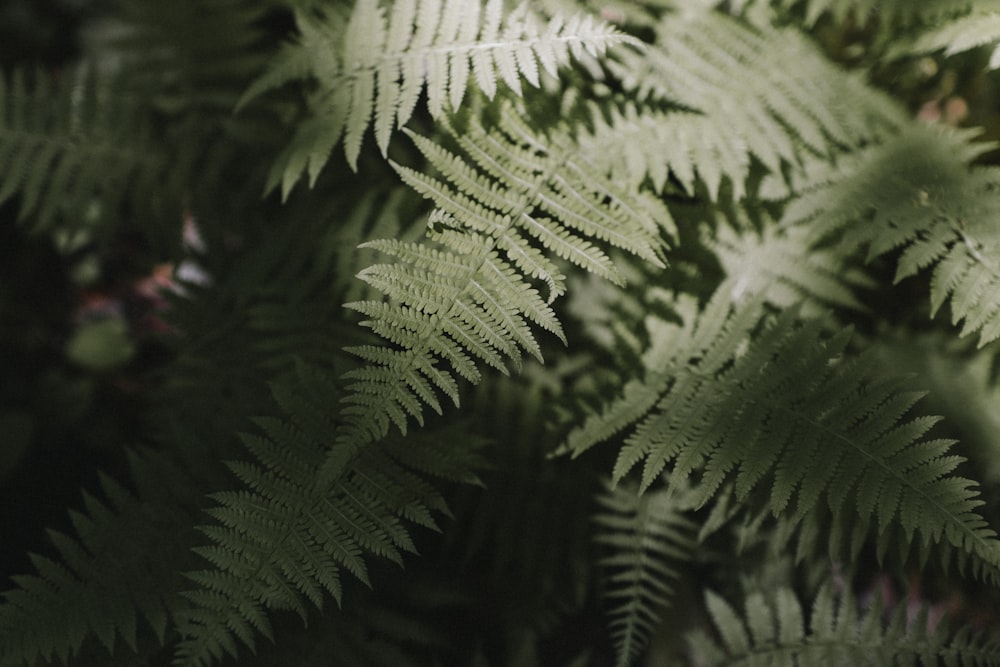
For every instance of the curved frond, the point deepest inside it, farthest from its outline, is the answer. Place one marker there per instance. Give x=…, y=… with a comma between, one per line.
x=917, y=196
x=775, y=630
x=979, y=28
x=691, y=148
x=508, y=207
x=787, y=406
x=750, y=103
x=645, y=537
x=285, y=541
x=375, y=67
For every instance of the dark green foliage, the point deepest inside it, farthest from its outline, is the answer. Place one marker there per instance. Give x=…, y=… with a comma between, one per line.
x=647, y=536
x=936, y=209
x=689, y=243
x=79, y=595
x=302, y=534
x=71, y=145
x=781, y=405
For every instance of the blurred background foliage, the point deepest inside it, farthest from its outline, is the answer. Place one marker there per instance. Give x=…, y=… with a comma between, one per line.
x=83, y=334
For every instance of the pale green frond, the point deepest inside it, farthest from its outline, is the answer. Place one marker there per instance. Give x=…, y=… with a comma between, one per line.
x=379, y=64
x=688, y=147
x=782, y=264
x=977, y=29
x=508, y=205
x=750, y=103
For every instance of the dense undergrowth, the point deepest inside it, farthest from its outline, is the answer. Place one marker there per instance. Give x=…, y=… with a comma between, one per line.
x=449, y=332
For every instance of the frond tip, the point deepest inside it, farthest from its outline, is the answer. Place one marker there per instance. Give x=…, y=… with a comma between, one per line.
x=376, y=67
x=646, y=537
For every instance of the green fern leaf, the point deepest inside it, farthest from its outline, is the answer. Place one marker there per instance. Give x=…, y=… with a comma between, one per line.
x=749, y=102
x=688, y=147
x=377, y=67
x=285, y=540
x=917, y=196
x=783, y=265
x=774, y=630
x=469, y=297
x=80, y=596
x=784, y=405
x=67, y=146
x=979, y=28
x=646, y=536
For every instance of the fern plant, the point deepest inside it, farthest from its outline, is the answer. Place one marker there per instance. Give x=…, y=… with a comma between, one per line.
x=627, y=310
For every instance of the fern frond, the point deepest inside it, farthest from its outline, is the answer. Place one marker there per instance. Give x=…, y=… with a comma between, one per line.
x=115, y=581
x=645, y=536
x=917, y=196
x=774, y=630
x=786, y=406
x=504, y=209
x=782, y=265
x=69, y=146
x=689, y=147
x=374, y=68
x=736, y=76
x=285, y=540
x=279, y=305
x=979, y=28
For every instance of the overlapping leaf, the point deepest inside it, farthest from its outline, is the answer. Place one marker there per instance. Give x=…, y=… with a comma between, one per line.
x=375, y=67
x=285, y=540
x=746, y=102
x=728, y=395
x=510, y=206
x=917, y=197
